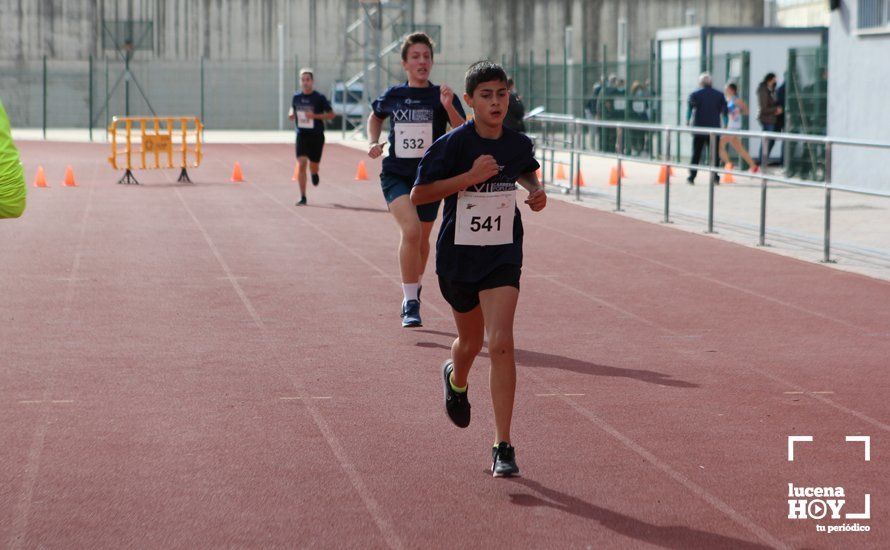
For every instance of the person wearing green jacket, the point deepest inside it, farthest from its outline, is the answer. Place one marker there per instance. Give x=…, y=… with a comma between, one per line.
x=12, y=176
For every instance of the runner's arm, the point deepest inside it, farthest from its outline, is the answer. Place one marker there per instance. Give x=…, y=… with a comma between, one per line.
x=483, y=168
x=375, y=125
x=537, y=198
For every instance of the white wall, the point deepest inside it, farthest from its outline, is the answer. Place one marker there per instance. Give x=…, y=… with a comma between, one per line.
x=769, y=54
x=859, y=71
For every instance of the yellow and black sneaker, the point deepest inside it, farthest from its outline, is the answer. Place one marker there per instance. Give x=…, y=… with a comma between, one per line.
x=456, y=403
x=503, y=460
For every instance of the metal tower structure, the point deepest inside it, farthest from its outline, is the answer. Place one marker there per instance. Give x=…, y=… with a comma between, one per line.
x=377, y=19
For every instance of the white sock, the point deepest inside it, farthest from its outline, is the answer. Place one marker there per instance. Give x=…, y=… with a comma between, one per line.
x=410, y=290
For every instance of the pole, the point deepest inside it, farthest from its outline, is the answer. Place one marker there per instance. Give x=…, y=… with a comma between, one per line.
x=618, y=191
x=106, y=100
x=826, y=258
x=712, y=157
x=282, y=114
x=762, y=238
x=547, y=80
x=90, y=120
x=44, y=97
x=203, y=117
x=667, y=180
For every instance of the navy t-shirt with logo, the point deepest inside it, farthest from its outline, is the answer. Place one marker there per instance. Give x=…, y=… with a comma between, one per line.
x=454, y=154
x=411, y=108
x=314, y=103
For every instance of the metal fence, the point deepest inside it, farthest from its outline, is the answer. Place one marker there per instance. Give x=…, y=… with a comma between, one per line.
x=550, y=130
x=87, y=94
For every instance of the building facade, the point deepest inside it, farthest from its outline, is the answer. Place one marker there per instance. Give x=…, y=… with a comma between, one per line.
x=859, y=42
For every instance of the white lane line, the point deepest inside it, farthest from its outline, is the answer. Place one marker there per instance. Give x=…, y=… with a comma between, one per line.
x=666, y=468
x=823, y=316
x=222, y=263
x=375, y=510
x=862, y=416
x=21, y=515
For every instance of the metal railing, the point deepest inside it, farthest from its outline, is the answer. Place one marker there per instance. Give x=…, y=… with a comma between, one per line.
x=572, y=127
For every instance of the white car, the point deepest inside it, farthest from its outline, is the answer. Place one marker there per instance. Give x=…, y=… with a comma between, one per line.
x=348, y=104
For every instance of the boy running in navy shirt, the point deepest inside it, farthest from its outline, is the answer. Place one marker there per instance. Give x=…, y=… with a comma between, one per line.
x=479, y=249
x=309, y=108
x=418, y=112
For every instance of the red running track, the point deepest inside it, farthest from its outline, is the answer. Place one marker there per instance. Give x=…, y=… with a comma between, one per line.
x=207, y=365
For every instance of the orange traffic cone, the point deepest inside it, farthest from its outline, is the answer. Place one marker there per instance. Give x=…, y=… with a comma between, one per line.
x=663, y=174
x=361, y=173
x=296, y=175
x=727, y=178
x=40, y=180
x=613, y=176
x=579, y=179
x=560, y=172
x=237, y=176
x=69, y=177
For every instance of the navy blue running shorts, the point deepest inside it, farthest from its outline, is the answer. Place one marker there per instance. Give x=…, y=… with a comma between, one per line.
x=395, y=186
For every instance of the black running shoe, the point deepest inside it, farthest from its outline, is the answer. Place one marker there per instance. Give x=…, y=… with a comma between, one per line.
x=411, y=314
x=456, y=404
x=314, y=179
x=503, y=460
x=301, y=202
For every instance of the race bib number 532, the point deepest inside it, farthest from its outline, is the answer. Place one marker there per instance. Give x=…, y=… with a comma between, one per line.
x=412, y=139
x=485, y=218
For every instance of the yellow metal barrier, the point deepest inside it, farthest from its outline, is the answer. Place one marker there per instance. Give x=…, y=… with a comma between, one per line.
x=176, y=138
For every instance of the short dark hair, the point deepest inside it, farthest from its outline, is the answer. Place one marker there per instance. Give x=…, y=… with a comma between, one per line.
x=483, y=71
x=416, y=38
x=510, y=82
x=307, y=70
x=733, y=87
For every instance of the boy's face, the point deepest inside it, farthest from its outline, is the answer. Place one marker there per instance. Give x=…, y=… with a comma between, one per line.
x=418, y=62
x=489, y=101
x=306, y=82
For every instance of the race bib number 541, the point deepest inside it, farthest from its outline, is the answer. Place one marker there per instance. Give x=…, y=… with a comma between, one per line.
x=485, y=219
x=412, y=139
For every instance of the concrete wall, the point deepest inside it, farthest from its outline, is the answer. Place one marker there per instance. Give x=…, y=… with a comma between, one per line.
x=858, y=75
x=246, y=29
x=239, y=41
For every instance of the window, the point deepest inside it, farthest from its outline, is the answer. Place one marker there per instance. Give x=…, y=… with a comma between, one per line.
x=690, y=17
x=873, y=15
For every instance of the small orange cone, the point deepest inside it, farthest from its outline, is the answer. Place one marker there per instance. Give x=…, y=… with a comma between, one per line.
x=40, y=180
x=296, y=175
x=237, y=176
x=613, y=176
x=727, y=178
x=361, y=173
x=69, y=177
x=560, y=172
x=663, y=174
x=579, y=179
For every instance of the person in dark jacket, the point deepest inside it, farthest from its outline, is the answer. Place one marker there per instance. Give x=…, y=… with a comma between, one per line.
x=515, y=110
x=707, y=108
x=769, y=110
